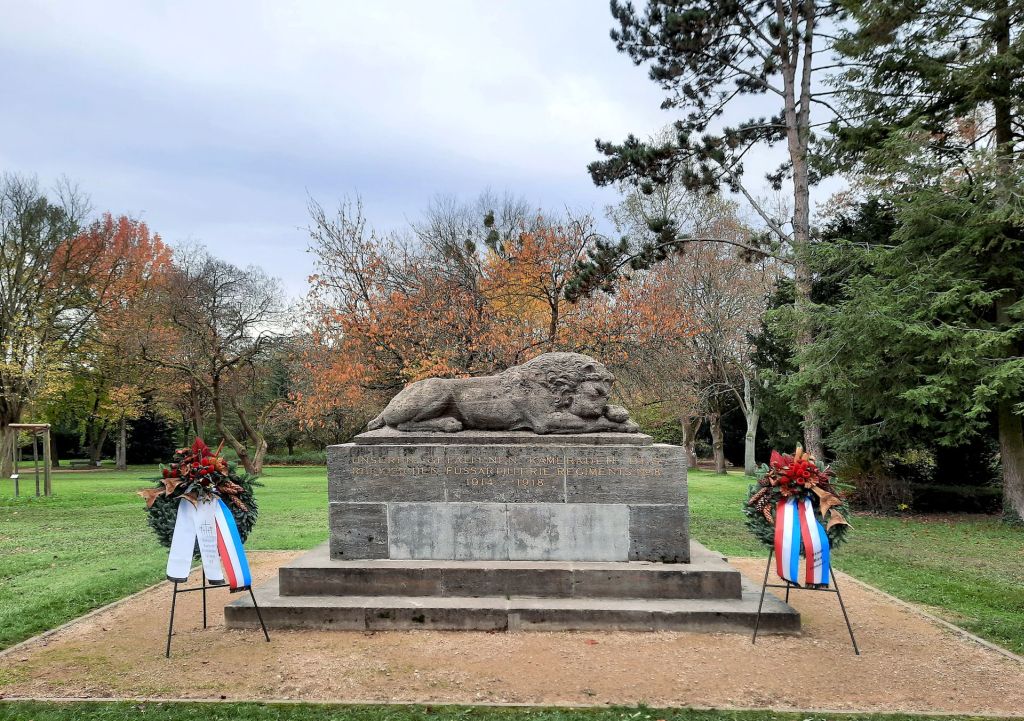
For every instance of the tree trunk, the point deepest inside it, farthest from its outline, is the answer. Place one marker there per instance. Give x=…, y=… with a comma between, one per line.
x=185, y=422
x=95, y=445
x=95, y=432
x=8, y=438
x=257, y=457
x=752, y=415
x=749, y=443
x=228, y=436
x=1011, y=432
x=121, y=454
x=255, y=436
x=1011, y=453
x=196, y=407
x=717, y=441
x=797, y=116
x=290, y=442
x=54, y=457
x=691, y=424
x=10, y=412
x=812, y=435
x=553, y=326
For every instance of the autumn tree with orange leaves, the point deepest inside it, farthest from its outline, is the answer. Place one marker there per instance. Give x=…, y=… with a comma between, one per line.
x=110, y=377
x=60, y=276
x=471, y=291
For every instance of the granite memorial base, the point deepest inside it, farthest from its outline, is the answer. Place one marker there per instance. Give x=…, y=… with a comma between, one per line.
x=506, y=531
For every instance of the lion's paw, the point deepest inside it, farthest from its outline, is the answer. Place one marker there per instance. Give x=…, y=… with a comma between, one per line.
x=616, y=414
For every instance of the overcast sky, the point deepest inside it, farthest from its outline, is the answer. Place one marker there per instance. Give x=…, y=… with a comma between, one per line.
x=212, y=121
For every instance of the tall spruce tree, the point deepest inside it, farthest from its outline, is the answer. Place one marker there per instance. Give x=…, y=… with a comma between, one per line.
x=708, y=55
x=938, y=88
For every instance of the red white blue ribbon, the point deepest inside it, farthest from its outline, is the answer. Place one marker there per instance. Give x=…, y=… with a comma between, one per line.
x=211, y=524
x=798, y=532
x=232, y=554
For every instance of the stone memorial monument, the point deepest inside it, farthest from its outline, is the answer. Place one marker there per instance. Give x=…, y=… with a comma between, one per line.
x=519, y=500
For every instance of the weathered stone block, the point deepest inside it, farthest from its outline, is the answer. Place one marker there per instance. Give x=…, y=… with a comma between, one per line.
x=501, y=501
x=359, y=530
x=385, y=473
x=652, y=474
x=504, y=474
x=566, y=532
x=460, y=531
x=659, y=533
x=502, y=581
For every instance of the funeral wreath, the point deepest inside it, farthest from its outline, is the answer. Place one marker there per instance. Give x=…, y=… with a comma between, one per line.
x=199, y=474
x=797, y=476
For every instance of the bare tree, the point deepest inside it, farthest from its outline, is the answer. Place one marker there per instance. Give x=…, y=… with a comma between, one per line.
x=726, y=296
x=216, y=324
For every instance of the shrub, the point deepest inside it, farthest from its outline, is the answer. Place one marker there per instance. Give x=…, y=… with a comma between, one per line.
x=307, y=458
x=935, y=498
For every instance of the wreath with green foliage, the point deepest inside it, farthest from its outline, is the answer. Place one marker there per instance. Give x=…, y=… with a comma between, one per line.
x=795, y=476
x=199, y=474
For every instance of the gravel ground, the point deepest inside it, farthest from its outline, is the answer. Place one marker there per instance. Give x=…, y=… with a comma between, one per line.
x=908, y=663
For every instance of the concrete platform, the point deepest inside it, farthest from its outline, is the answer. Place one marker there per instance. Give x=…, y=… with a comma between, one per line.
x=314, y=592
x=491, y=613
x=316, y=574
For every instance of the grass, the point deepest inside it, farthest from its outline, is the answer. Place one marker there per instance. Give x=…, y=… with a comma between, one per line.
x=89, y=545
x=968, y=569
x=90, y=711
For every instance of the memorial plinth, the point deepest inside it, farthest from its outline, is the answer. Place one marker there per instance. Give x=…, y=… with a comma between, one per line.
x=523, y=500
x=505, y=531
x=497, y=496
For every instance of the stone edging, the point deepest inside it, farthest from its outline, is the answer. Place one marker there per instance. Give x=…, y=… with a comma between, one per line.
x=935, y=619
x=95, y=612
x=484, y=704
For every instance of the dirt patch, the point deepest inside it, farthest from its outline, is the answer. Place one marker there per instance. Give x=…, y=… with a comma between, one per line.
x=908, y=662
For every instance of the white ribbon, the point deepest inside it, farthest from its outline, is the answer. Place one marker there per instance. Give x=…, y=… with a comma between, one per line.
x=194, y=523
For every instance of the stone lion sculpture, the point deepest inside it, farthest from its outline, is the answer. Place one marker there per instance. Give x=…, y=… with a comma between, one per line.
x=553, y=393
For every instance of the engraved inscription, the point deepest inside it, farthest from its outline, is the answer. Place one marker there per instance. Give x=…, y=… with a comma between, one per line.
x=487, y=474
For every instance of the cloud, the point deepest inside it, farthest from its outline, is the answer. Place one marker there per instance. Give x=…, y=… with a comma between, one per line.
x=214, y=120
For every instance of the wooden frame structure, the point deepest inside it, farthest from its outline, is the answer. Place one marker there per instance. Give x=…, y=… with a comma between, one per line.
x=38, y=431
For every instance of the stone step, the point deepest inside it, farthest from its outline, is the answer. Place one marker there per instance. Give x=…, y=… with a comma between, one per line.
x=315, y=574
x=515, y=613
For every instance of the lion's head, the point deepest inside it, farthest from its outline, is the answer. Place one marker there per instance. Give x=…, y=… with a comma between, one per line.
x=580, y=384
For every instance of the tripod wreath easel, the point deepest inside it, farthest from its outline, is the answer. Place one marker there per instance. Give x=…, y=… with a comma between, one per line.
x=796, y=510
x=790, y=586
x=204, y=587
x=188, y=508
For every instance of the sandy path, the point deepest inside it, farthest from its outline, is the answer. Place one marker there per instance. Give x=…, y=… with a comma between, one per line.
x=908, y=662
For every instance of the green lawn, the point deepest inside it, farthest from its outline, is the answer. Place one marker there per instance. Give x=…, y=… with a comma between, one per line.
x=322, y=712
x=89, y=545
x=967, y=569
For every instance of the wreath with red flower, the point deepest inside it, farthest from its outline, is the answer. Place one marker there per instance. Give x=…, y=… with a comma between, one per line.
x=795, y=476
x=199, y=474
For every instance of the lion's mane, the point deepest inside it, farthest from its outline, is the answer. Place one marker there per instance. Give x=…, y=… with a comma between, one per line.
x=561, y=374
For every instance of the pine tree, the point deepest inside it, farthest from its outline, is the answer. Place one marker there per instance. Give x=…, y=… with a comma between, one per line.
x=937, y=88
x=706, y=54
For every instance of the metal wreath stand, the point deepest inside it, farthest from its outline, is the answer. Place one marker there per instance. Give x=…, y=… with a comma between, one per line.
x=834, y=588
x=203, y=587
